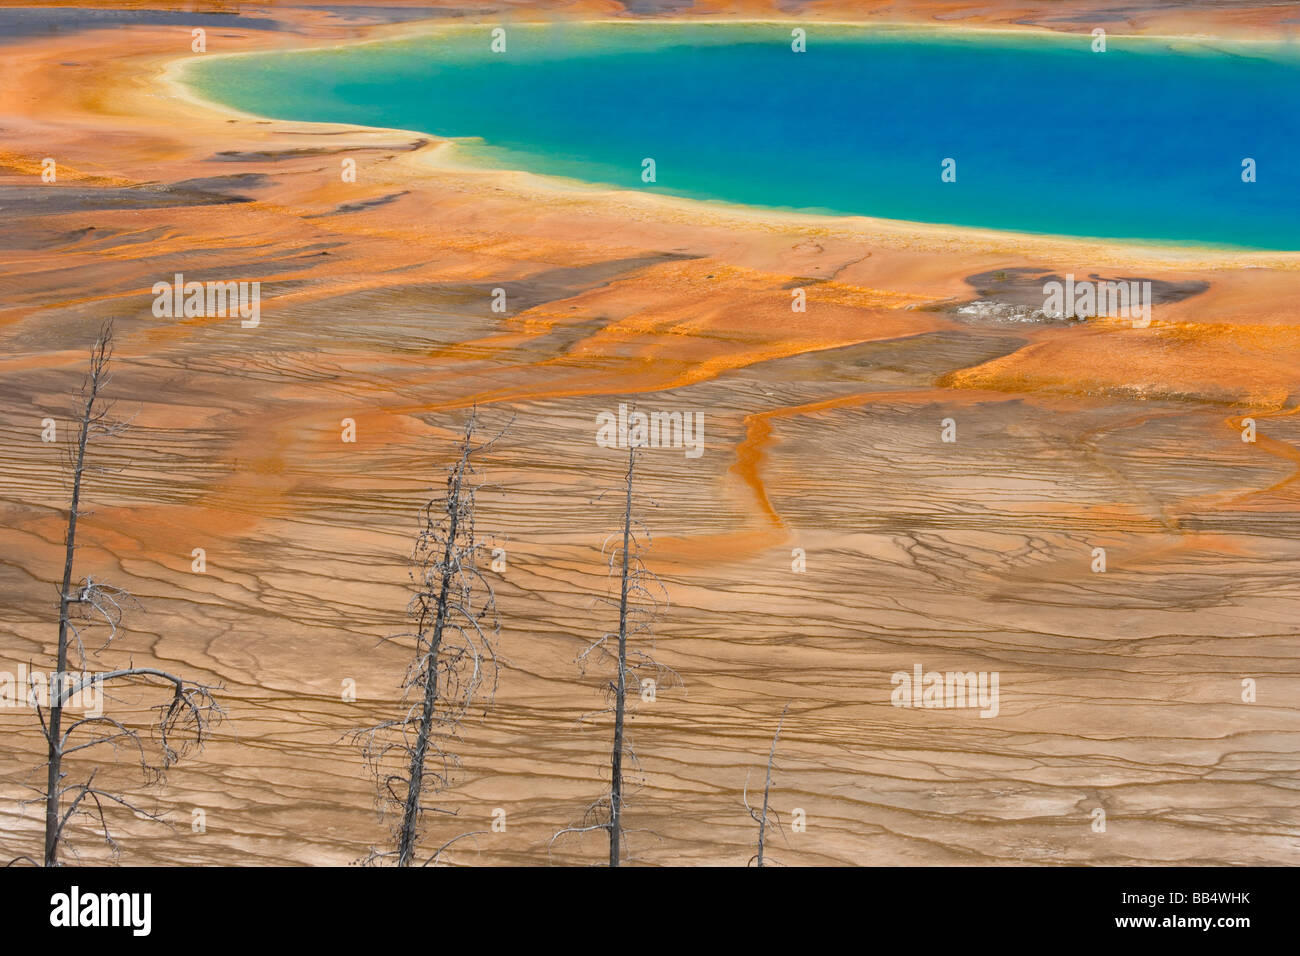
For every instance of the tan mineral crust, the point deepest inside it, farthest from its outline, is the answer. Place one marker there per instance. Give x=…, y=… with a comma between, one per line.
x=1120, y=691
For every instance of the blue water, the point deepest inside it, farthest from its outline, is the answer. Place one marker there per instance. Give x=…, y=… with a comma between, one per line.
x=1142, y=142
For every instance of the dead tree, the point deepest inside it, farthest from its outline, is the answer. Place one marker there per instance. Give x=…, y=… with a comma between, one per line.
x=454, y=667
x=640, y=597
x=761, y=818
x=183, y=720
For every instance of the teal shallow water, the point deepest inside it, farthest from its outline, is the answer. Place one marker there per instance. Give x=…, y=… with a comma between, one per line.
x=1142, y=142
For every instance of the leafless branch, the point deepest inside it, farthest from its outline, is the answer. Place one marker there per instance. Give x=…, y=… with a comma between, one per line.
x=183, y=721
x=761, y=818
x=454, y=667
x=641, y=598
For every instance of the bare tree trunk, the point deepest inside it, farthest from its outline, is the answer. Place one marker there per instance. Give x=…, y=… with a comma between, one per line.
x=767, y=786
x=453, y=669
x=99, y=356
x=620, y=700
x=641, y=596
x=411, y=812
x=192, y=707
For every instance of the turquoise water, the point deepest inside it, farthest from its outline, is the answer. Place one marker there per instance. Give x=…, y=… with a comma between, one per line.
x=1142, y=142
